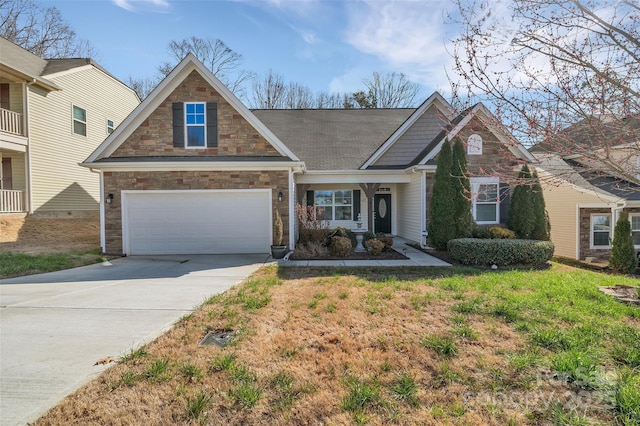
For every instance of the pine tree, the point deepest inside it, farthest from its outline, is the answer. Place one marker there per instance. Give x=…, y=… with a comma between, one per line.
x=623, y=254
x=522, y=218
x=461, y=191
x=541, y=226
x=441, y=224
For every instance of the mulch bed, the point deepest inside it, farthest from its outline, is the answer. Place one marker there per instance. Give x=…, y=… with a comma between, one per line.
x=385, y=255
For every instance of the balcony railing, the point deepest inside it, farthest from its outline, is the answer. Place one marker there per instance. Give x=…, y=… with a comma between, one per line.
x=11, y=122
x=11, y=201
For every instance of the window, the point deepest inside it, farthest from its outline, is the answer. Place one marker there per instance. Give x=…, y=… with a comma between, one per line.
x=334, y=205
x=600, y=230
x=474, y=145
x=635, y=229
x=196, y=124
x=110, y=127
x=79, y=121
x=485, y=200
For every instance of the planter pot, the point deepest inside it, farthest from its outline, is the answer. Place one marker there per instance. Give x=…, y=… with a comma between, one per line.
x=278, y=252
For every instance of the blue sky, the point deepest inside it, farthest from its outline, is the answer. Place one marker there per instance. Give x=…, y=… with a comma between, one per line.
x=325, y=45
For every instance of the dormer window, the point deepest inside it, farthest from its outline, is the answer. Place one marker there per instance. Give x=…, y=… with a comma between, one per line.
x=474, y=145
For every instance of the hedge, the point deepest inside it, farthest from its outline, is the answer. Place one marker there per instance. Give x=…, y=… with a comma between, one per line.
x=501, y=252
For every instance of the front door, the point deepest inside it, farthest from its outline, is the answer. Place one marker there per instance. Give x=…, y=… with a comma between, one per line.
x=382, y=207
x=6, y=178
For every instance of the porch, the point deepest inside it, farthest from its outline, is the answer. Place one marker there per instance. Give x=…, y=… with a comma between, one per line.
x=12, y=201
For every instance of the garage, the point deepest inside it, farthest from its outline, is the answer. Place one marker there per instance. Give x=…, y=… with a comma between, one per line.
x=196, y=221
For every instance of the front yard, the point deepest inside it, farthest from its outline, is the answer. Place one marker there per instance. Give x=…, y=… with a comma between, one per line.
x=385, y=346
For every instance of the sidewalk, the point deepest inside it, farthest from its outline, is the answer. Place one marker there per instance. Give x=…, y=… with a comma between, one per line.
x=415, y=258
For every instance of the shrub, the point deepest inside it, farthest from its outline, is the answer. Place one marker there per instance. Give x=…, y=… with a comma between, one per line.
x=311, y=226
x=472, y=251
x=387, y=241
x=481, y=232
x=310, y=250
x=541, y=228
x=340, y=246
x=461, y=191
x=344, y=232
x=443, y=209
x=501, y=233
x=623, y=255
x=374, y=247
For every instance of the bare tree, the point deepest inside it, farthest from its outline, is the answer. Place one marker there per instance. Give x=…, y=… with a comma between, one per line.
x=561, y=74
x=41, y=30
x=391, y=90
x=269, y=92
x=223, y=62
x=142, y=86
x=298, y=96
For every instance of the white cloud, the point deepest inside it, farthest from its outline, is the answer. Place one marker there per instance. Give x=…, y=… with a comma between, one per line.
x=130, y=5
x=410, y=36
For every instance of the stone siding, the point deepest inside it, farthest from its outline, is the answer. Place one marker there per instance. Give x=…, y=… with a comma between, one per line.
x=114, y=182
x=585, y=233
x=154, y=137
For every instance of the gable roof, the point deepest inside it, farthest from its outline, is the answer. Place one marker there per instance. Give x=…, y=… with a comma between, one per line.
x=23, y=64
x=333, y=139
x=159, y=94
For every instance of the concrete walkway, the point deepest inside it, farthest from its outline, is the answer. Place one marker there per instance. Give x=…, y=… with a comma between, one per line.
x=55, y=326
x=415, y=258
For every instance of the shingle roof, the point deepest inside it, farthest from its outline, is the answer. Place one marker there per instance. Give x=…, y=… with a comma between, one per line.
x=21, y=60
x=327, y=139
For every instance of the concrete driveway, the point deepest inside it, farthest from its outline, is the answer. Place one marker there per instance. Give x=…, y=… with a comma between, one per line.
x=55, y=326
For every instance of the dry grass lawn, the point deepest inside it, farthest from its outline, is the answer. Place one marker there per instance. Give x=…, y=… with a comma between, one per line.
x=385, y=346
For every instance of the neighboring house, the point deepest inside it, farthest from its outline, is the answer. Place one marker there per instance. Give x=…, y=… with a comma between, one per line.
x=192, y=170
x=586, y=189
x=53, y=114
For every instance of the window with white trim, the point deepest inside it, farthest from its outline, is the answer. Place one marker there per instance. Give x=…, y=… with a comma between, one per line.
x=110, y=127
x=334, y=205
x=485, y=200
x=79, y=121
x=474, y=145
x=600, y=230
x=195, y=122
x=635, y=229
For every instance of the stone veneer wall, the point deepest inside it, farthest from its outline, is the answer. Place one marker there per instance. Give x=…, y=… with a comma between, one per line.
x=114, y=182
x=154, y=137
x=585, y=233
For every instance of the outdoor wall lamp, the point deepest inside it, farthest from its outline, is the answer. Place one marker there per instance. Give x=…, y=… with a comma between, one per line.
x=109, y=198
x=280, y=196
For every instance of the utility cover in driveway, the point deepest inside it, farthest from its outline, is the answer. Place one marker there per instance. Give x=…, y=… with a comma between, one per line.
x=196, y=222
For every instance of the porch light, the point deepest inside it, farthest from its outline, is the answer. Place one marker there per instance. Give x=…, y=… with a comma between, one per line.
x=280, y=196
x=109, y=198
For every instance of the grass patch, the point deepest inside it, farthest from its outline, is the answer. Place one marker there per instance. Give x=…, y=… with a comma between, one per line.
x=406, y=390
x=20, y=264
x=441, y=343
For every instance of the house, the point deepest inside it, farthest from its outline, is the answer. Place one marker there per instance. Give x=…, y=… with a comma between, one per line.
x=193, y=170
x=586, y=186
x=53, y=114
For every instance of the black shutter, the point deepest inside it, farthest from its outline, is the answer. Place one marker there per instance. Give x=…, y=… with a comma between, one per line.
x=178, y=124
x=212, y=124
x=505, y=202
x=356, y=204
x=310, y=199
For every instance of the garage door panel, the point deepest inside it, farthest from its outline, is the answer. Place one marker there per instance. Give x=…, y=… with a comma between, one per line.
x=198, y=222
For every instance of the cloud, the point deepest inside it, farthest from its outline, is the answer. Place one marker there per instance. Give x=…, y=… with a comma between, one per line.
x=130, y=5
x=409, y=36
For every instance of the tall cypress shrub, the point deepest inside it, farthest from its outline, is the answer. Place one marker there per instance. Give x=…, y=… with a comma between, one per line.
x=541, y=226
x=522, y=218
x=623, y=254
x=461, y=191
x=441, y=224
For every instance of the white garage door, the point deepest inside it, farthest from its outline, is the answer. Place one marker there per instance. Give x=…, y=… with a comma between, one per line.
x=196, y=222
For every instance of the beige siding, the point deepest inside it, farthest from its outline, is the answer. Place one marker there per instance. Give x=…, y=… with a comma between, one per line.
x=561, y=202
x=409, y=208
x=15, y=98
x=58, y=182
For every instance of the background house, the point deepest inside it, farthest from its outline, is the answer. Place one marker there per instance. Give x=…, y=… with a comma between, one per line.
x=53, y=114
x=192, y=170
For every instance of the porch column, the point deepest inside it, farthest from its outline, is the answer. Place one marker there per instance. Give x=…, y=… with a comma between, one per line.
x=301, y=189
x=370, y=190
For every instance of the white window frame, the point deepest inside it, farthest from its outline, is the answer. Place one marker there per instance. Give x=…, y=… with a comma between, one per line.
x=110, y=126
x=333, y=203
x=475, y=184
x=591, y=231
x=631, y=215
x=203, y=125
x=474, y=144
x=74, y=119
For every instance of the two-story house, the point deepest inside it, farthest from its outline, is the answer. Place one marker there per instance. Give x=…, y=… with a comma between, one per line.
x=53, y=114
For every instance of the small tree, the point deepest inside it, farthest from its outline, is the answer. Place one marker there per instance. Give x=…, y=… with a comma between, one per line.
x=277, y=229
x=442, y=227
x=541, y=225
x=623, y=254
x=461, y=191
x=522, y=218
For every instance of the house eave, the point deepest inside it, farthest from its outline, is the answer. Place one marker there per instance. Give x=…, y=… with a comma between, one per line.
x=168, y=166
x=354, y=176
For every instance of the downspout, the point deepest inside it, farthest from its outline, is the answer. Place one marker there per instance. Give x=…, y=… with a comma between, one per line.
x=103, y=237
x=423, y=208
x=292, y=192
x=27, y=129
